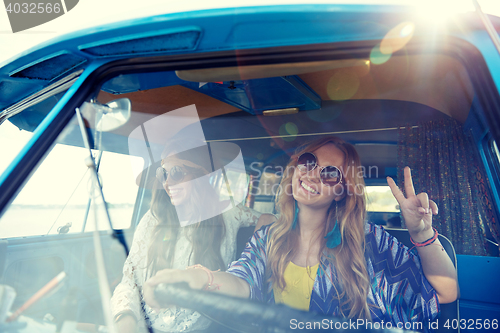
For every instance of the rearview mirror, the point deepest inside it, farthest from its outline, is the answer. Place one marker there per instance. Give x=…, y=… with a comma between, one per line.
x=114, y=114
x=110, y=116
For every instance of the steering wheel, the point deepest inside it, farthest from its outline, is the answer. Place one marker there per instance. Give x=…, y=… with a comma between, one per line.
x=245, y=315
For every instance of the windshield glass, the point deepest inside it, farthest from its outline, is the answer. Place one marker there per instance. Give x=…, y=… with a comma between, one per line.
x=170, y=169
x=16, y=131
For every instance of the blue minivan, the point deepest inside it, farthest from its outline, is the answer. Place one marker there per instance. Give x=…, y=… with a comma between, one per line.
x=84, y=120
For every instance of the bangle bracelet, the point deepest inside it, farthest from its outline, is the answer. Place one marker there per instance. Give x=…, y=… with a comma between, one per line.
x=427, y=242
x=125, y=313
x=210, y=285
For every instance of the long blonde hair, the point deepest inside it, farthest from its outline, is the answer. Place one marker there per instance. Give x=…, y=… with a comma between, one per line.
x=348, y=258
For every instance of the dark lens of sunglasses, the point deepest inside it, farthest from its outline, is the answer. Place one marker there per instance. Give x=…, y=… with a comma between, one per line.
x=161, y=175
x=176, y=173
x=330, y=175
x=306, y=162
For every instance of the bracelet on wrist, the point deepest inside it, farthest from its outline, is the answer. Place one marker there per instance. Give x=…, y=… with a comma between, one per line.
x=427, y=242
x=210, y=284
x=120, y=315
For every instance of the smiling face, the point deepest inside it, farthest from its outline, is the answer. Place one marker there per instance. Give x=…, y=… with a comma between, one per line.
x=307, y=186
x=179, y=191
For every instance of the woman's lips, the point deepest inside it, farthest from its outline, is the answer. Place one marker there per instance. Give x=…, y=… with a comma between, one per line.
x=308, y=188
x=174, y=193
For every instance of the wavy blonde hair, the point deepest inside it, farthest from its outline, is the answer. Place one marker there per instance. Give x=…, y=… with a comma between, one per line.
x=348, y=258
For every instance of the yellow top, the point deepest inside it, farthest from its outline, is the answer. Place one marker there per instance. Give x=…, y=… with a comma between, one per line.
x=299, y=284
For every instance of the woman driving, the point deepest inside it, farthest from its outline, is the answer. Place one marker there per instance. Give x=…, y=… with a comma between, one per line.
x=186, y=225
x=321, y=255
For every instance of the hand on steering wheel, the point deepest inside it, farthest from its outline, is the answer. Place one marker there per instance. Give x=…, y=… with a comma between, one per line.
x=195, y=278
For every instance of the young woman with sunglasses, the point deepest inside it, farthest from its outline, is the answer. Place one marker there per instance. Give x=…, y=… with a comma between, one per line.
x=321, y=255
x=186, y=225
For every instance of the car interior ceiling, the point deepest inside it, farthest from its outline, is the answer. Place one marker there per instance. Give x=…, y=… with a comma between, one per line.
x=400, y=92
x=403, y=91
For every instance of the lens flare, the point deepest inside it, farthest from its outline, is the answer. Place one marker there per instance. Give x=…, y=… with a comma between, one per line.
x=289, y=131
x=377, y=57
x=291, y=128
x=397, y=38
x=363, y=70
x=407, y=30
x=439, y=13
x=343, y=85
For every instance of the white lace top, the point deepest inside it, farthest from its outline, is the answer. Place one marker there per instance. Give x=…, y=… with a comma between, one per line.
x=175, y=319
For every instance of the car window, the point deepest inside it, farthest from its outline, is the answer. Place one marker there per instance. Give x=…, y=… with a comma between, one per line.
x=220, y=141
x=13, y=140
x=269, y=115
x=16, y=130
x=265, y=188
x=495, y=150
x=55, y=200
x=381, y=199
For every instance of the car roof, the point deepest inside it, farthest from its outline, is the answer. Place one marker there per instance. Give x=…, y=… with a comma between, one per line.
x=226, y=29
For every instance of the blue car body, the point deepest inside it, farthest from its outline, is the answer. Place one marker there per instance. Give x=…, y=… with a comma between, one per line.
x=86, y=61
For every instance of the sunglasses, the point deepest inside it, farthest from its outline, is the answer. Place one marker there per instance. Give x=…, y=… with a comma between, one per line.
x=329, y=175
x=176, y=174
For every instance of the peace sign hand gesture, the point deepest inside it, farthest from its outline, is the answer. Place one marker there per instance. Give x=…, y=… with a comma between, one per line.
x=417, y=210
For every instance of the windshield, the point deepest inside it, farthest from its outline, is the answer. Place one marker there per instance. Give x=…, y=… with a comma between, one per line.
x=170, y=169
x=16, y=130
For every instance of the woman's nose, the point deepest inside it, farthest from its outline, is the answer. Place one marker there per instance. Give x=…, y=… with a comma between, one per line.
x=170, y=181
x=313, y=175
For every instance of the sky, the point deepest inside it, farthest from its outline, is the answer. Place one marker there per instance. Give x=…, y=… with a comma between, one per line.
x=88, y=13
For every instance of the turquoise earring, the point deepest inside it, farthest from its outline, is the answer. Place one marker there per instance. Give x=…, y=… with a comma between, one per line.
x=334, y=238
x=296, y=216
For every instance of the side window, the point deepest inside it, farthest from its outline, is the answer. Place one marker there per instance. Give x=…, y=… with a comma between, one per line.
x=12, y=140
x=16, y=130
x=236, y=192
x=492, y=155
x=382, y=207
x=381, y=199
x=56, y=197
x=495, y=152
x=266, y=192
